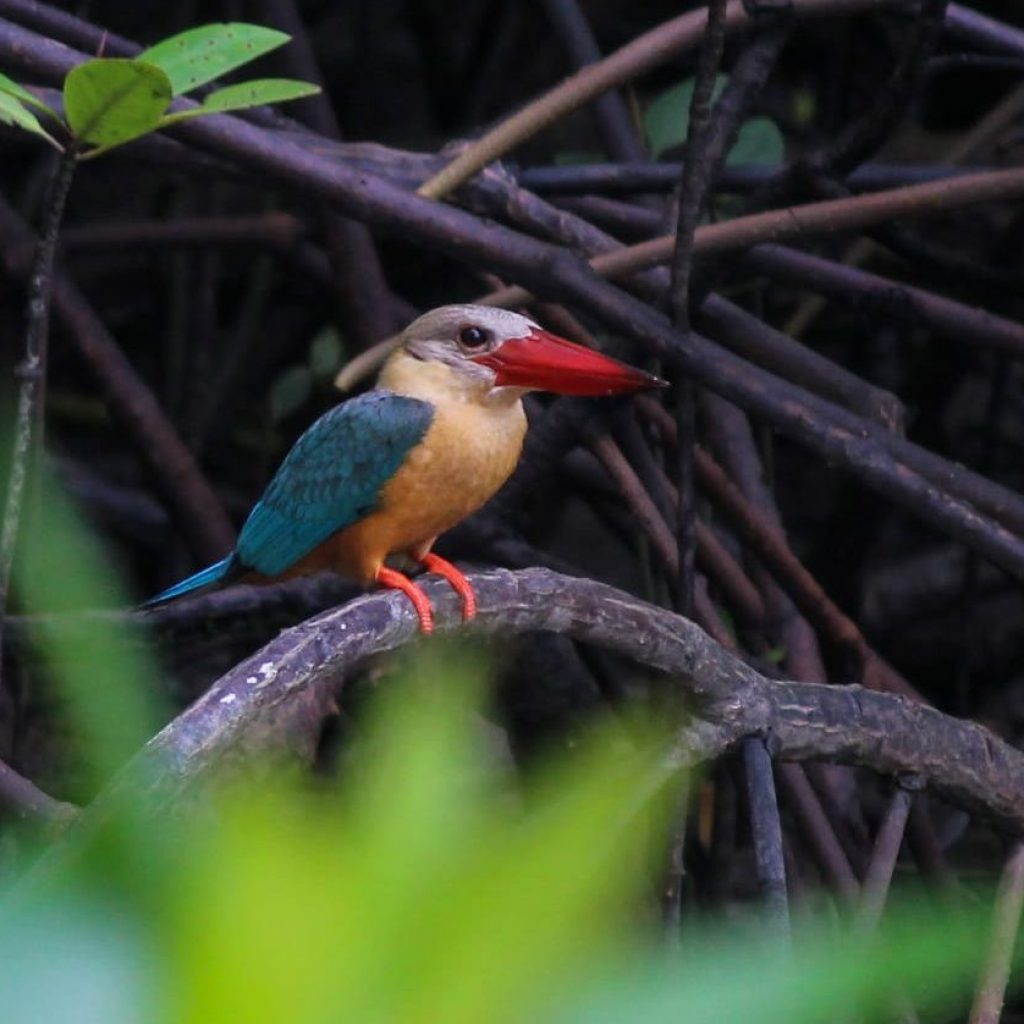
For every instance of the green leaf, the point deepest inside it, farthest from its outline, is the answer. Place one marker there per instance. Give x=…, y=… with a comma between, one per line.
x=245, y=95
x=202, y=54
x=8, y=85
x=290, y=392
x=326, y=353
x=759, y=142
x=13, y=112
x=667, y=118
x=111, y=100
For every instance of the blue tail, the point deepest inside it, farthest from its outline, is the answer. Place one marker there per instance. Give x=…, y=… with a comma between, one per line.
x=211, y=574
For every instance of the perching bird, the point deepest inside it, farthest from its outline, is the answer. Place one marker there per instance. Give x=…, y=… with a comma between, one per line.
x=389, y=471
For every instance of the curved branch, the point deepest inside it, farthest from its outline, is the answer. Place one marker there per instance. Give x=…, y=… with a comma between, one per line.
x=277, y=697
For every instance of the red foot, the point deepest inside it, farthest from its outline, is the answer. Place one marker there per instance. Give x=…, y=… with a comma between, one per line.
x=396, y=581
x=461, y=586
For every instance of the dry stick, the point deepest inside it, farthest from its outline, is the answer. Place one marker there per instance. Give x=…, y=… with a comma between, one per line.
x=771, y=547
x=360, y=277
x=743, y=597
x=883, y=858
x=28, y=423
x=195, y=507
x=715, y=559
x=983, y=31
x=828, y=216
x=610, y=110
x=641, y=54
x=988, y=1002
x=766, y=829
x=563, y=276
x=697, y=171
x=851, y=213
x=603, y=181
x=29, y=802
x=818, y=830
x=280, y=232
x=998, y=118
x=944, y=317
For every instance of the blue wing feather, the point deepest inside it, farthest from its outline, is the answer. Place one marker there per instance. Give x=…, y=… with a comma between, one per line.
x=331, y=478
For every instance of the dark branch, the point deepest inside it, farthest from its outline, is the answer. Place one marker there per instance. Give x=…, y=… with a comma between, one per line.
x=277, y=697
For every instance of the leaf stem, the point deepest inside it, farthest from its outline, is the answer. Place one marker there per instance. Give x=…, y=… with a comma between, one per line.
x=31, y=372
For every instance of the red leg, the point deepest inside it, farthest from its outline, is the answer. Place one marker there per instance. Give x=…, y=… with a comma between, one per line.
x=461, y=586
x=396, y=581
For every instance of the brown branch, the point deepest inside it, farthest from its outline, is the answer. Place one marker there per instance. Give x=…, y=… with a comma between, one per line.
x=196, y=508
x=641, y=54
x=29, y=802
x=883, y=858
x=274, y=697
x=829, y=431
x=988, y=1003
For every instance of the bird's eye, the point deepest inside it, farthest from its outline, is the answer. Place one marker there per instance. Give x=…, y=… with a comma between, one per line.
x=474, y=337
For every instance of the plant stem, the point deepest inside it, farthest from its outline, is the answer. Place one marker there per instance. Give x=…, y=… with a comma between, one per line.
x=31, y=372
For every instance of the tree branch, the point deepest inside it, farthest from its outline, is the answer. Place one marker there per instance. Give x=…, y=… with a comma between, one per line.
x=277, y=697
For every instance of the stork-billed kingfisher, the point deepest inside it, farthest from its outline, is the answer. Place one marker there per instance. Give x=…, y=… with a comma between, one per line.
x=389, y=471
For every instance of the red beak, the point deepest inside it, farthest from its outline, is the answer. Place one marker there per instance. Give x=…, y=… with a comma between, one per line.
x=545, y=362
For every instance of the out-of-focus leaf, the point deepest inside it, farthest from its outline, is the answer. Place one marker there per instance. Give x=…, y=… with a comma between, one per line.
x=12, y=88
x=667, y=121
x=75, y=962
x=245, y=95
x=326, y=353
x=928, y=959
x=759, y=142
x=667, y=118
x=290, y=392
x=199, y=55
x=12, y=111
x=430, y=892
x=109, y=101
x=103, y=674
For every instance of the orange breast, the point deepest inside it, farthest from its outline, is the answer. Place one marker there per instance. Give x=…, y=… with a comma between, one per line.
x=467, y=454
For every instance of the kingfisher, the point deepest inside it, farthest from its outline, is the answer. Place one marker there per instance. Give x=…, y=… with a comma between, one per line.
x=386, y=473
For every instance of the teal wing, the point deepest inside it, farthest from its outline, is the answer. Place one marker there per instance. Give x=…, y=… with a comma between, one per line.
x=331, y=478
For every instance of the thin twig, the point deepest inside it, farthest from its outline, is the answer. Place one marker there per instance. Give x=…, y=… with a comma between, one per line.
x=766, y=830
x=883, y=858
x=988, y=1003
x=639, y=55
x=29, y=802
x=28, y=424
x=696, y=179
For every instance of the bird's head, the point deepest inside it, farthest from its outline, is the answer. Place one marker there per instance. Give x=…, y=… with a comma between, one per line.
x=490, y=348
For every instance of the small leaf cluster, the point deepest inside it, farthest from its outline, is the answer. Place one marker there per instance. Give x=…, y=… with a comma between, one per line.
x=112, y=100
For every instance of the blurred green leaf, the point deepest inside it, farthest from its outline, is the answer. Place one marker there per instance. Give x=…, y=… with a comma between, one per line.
x=930, y=959
x=759, y=142
x=199, y=55
x=290, y=392
x=12, y=88
x=667, y=117
x=667, y=121
x=109, y=101
x=102, y=672
x=12, y=111
x=326, y=353
x=430, y=892
x=73, y=961
x=245, y=95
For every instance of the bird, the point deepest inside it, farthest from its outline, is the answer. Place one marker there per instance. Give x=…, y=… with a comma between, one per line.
x=387, y=472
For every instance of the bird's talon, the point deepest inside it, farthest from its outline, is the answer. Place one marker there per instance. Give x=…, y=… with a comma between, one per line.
x=461, y=586
x=394, y=580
